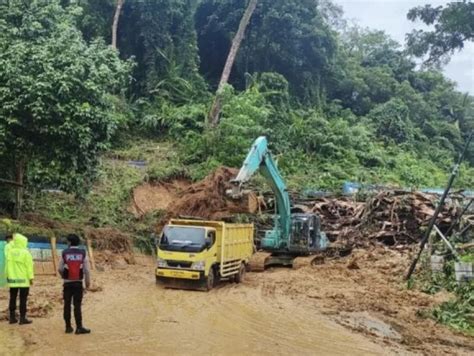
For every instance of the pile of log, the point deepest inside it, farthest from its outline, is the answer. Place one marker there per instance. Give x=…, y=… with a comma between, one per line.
x=394, y=217
x=399, y=217
x=339, y=217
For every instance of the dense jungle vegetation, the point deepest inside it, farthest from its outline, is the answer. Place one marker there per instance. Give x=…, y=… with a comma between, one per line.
x=86, y=86
x=337, y=102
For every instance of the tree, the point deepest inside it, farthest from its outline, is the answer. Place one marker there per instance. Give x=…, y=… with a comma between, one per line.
x=453, y=26
x=55, y=93
x=161, y=37
x=118, y=10
x=289, y=37
x=239, y=36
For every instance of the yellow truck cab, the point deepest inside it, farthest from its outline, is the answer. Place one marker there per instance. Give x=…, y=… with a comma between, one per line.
x=198, y=253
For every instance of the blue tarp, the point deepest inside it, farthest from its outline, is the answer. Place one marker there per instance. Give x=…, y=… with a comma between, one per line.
x=350, y=188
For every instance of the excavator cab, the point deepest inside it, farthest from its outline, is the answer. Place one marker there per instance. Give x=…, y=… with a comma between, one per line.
x=306, y=235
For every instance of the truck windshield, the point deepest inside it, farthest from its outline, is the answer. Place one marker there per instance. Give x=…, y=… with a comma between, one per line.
x=180, y=238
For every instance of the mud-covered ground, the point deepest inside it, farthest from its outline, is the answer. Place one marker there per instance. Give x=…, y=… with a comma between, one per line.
x=356, y=305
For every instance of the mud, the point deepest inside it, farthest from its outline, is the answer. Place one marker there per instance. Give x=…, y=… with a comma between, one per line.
x=141, y=318
x=326, y=309
x=155, y=197
x=372, y=299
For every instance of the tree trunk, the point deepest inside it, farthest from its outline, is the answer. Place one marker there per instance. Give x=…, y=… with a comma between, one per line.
x=19, y=174
x=118, y=10
x=213, y=118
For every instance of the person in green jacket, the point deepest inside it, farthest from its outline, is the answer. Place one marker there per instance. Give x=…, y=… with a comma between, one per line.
x=20, y=275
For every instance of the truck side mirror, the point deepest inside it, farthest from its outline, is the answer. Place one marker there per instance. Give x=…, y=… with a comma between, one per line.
x=210, y=239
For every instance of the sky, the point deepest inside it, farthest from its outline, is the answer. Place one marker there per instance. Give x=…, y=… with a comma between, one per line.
x=390, y=16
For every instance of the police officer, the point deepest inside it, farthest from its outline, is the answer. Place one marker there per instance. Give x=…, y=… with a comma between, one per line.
x=74, y=268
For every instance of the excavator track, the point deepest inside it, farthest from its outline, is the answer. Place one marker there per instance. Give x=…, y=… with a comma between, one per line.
x=257, y=261
x=300, y=262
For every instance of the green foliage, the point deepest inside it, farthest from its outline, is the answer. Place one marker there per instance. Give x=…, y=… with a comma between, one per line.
x=289, y=37
x=162, y=116
x=108, y=202
x=160, y=35
x=241, y=119
x=55, y=92
x=335, y=106
x=452, y=28
x=458, y=313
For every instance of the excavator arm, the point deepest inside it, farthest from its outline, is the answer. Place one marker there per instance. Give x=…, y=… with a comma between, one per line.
x=260, y=159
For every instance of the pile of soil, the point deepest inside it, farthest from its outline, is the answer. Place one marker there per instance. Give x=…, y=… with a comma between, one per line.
x=207, y=199
x=150, y=197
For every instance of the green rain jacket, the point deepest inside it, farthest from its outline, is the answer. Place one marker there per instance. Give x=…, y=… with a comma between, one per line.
x=19, y=263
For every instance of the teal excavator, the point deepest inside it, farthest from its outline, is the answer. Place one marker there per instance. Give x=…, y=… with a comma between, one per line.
x=295, y=237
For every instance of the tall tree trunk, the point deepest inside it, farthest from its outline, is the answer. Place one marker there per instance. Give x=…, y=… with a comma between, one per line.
x=19, y=174
x=118, y=10
x=213, y=117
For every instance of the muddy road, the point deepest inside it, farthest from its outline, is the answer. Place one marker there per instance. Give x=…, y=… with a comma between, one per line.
x=133, y=316
x=357, y=305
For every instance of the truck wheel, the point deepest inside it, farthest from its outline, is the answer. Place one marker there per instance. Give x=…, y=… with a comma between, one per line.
x=210, y=279
x=239, y=277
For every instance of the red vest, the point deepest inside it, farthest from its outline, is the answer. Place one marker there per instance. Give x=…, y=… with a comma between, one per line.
x=73, y=259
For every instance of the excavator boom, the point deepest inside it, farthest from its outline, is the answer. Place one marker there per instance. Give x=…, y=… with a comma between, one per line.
x=260, y=159
x=292, y=235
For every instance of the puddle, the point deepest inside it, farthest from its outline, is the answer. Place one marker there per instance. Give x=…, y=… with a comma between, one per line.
x=365, y=321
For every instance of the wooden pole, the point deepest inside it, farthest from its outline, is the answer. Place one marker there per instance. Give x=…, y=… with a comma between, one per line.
x=91, y=254
x=54, y=255
x=440, y=206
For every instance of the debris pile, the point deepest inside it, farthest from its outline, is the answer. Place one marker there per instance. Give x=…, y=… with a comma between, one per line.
x=397, y=217
x=339, y=217
x=110, y=239
x=207, y=199
x=391, y=217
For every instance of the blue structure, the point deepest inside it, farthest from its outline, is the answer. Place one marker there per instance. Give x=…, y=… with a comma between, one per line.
x=350, y=188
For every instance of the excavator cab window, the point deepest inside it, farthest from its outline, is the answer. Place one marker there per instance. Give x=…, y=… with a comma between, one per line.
x=300, y=231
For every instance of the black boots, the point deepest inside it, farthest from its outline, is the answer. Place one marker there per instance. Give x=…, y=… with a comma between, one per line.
x=24, y=321
x=13, y=319
x=69, y=329
x=82, y=330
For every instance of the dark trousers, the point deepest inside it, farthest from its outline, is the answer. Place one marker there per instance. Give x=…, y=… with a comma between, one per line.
x=73, y=292
x=23, y=300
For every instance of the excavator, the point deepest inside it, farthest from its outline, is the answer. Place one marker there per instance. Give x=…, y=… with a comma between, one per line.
x=294, y=238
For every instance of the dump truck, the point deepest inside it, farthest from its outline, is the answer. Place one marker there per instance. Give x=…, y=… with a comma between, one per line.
x=196, y=254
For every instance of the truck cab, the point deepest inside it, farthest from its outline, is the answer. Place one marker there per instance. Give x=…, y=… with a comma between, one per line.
x=201, y=252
